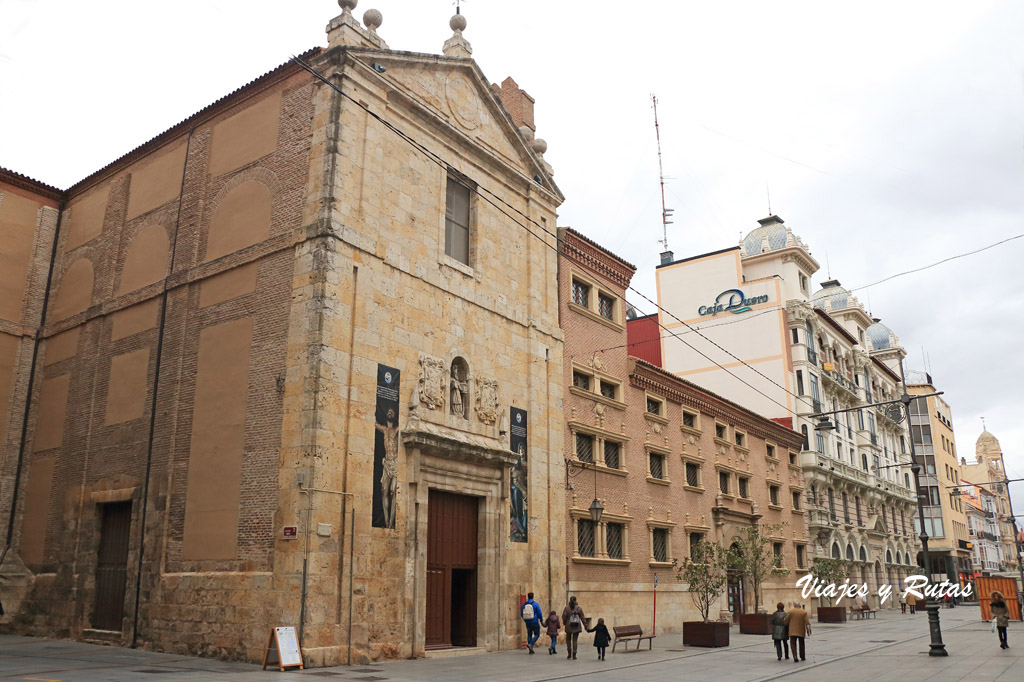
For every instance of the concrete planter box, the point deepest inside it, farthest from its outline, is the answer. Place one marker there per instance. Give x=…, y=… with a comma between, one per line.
x=831, y=614
x=713, y=634
x=755, y=624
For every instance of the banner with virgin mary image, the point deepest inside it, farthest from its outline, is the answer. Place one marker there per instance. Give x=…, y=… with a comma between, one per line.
x=519, y=524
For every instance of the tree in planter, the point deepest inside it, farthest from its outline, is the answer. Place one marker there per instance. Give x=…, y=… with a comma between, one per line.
x=754, y=556
x=830, y=571
x=705, y=574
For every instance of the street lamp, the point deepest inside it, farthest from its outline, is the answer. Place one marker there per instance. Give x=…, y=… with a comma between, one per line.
x=936, y=647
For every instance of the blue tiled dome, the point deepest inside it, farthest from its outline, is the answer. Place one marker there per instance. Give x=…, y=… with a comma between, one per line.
x=880, y=336
x=836, y=296
x=771, y=228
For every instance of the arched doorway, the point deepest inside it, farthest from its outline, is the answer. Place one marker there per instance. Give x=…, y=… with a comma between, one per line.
x=735, y=589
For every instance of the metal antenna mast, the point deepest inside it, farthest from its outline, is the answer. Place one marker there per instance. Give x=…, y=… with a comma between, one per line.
x=666, y=213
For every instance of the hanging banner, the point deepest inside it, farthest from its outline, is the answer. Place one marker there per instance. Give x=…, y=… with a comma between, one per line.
x=518, y=487
x=385, y=448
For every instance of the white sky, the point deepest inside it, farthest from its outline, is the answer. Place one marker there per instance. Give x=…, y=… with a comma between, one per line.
x=891, y=134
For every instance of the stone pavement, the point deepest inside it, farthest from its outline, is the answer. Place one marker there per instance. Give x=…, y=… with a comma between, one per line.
x=891, y=648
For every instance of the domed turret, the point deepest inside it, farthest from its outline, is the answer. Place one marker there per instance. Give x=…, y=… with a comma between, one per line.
x=771, y=236
x=831, y=296
x=881, y=337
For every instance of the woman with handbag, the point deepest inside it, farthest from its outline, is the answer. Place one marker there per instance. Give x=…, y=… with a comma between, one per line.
x=1000, y=617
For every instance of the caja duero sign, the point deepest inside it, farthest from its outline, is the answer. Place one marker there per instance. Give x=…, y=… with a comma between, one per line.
x=731, y=301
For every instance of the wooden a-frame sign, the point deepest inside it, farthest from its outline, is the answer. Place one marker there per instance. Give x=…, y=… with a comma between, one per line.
x=284, y=643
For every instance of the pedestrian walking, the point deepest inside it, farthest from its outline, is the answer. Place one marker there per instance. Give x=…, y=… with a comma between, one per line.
x=601, y=638
x=780, y=632
x=552, y=623
x=799, y=627
x=572, y=617
x=912, y=603
x=903, y=603
x=1000, y=616
x=530, y=613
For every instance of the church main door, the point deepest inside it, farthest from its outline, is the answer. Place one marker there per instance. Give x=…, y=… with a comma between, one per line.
x=451, y=570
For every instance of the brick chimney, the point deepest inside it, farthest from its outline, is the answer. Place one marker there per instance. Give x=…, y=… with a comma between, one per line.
x=517, y=102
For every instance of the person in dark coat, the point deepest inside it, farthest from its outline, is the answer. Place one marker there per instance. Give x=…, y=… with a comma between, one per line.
x=552, y=623
x=780, y=631
x=1001, y=616
x=573, y=619
x=601, y=638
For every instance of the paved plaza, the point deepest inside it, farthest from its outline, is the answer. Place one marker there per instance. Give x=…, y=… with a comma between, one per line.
x=887, y=649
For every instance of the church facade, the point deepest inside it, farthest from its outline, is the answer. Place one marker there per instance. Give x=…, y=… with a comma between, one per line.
x=292, y=368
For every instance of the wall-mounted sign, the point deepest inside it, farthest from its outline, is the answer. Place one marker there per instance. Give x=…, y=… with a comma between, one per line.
x=731, y=301
x=290, y=533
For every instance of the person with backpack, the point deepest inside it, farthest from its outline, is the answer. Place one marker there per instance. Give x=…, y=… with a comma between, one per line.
x=572, y=616
x=530, y=613
x=552, y=623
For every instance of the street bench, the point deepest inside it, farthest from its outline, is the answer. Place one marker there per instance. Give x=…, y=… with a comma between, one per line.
x=625, y=633
x=863, y=612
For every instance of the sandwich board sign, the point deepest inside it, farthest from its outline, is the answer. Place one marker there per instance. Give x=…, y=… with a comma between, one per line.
x=286, y=646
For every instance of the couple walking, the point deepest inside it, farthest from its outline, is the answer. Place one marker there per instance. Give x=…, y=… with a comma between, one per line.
x=574, y=620
x=789, y=631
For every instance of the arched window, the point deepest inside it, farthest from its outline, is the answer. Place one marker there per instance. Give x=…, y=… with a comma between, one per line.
x=836, y=553
x=888, y=556
x=459, y=388
x=849, y=552
x=863, y=555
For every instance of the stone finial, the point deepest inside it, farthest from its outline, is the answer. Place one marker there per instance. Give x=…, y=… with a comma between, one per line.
x=372, y=19
x=457, y=46
x=347, y=5
x=540, y=146
x=526, y=132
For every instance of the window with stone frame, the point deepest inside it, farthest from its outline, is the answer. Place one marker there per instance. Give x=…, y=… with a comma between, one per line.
x=796, y=500
x=695, y=539
x=581, y=380
x=457, y=220
x=659, y=543
x=606, y=306
x=739, y=438
x=656, y=462
x=777, y=554
x=799, y=556
x=690, y=419
x=846, y=508
x=769, y=450
x=693, y=474
x=720, y=431
x=609, y=390
x=580, y=293
x=612, y=450
x=614, y=534
x=773, y=495
x=857, y=507
x=744, y=487
x=585, y=537
x=723, y=482
x=655, y=406
x=585, y=447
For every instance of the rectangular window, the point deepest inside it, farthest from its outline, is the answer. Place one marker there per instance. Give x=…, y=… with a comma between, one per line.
x=660, y=537
x=773, y=494
x=611, y=454
x=456, y=221
x=832, y=504
x=860, y=519
x=744, y=488
x=723, y=482
x=796, y=500
x=740, y=438
x=654, y=406
x=692, y=475
x=580, y=294
x=769, y=450
x=585, y=537
x=799, y=382
x=846, y=508
x=799, y=556
x=581, y=380
x=720, y=431
x=689, y=420
x=792, y=458
x=819, y=441
x=614, y=533
x=606, y=306
x=584, y=447
x=796, y=336
x=657, y=465
x=777, y=554
x=608, y=390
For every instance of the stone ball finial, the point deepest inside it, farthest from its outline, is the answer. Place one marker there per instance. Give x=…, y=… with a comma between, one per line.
x=347, y=5
x=540, y=146
x=372, y=19
x=458, y=22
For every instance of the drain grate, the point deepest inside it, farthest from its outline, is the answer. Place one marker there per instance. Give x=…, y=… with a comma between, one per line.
x=881, y=641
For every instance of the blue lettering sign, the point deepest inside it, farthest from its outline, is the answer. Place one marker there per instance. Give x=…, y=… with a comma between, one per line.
x=731, y=301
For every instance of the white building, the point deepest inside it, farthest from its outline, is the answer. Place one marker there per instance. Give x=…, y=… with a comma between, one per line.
x=743, y=323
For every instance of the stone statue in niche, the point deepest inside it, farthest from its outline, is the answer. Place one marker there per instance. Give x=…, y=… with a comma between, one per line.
x=459, y=387
x=487, y=400
x=431, y=382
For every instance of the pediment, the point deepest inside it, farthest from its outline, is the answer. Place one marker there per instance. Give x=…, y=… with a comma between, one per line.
x=455, y=91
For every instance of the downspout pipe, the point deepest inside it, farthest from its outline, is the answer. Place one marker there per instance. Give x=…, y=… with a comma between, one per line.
x=31, y=382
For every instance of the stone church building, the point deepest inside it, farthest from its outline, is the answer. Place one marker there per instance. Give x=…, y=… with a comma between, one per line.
x=281, y=365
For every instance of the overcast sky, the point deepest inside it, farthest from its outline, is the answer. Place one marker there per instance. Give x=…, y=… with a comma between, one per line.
x=890, y=134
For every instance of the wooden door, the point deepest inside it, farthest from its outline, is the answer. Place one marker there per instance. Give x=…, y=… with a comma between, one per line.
x=735, y=595
x=451, y=570
x=112, y=565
